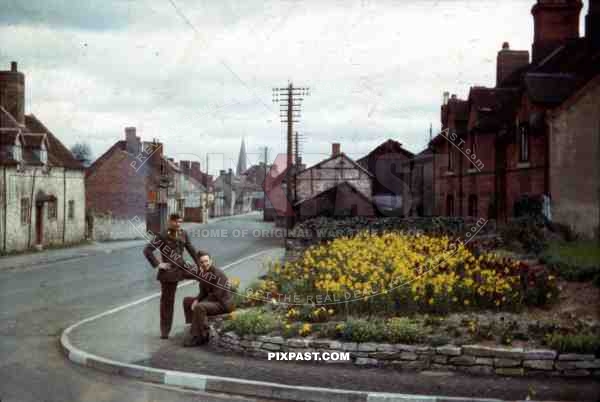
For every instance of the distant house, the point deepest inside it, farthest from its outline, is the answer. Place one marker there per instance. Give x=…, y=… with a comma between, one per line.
x=336, y=186
x=422, y=194
x=194, y=192
x=131, y=182
x=42, y=184
x=391, y=166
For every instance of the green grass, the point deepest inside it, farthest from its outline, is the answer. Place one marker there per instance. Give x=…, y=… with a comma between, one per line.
x=574, y=261
x=576, y=253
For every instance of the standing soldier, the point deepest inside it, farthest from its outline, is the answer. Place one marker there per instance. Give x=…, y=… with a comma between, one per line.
x=173, y=267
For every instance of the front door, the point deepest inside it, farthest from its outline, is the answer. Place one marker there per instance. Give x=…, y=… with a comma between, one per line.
x=39, y=223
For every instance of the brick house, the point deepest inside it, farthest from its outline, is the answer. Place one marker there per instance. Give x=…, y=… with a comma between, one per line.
x=534, y=133
x=391, y=166
x=131, y=180
x=42, y=194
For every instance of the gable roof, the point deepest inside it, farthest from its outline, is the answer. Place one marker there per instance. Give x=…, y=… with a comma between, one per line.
x=387, y=147
x=342, y=155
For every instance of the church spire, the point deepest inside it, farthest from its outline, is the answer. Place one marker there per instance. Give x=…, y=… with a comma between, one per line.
x=241, y=165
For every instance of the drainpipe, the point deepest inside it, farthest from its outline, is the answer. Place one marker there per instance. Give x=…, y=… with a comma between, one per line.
x=31, y=206
x=5, y=209
x=64, y=204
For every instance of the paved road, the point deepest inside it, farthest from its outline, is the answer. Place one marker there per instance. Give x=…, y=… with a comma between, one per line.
x=37, y=303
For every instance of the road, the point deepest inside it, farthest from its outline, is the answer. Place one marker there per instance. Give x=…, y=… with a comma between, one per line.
x=37, y=303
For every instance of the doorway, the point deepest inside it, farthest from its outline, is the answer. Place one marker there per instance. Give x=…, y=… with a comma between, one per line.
x=39, y=223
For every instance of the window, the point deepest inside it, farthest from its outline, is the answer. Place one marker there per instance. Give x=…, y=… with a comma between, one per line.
x=473, y=144
x=450, y=205
x=25, y=211
x=71, y=212
x=523, y=144
x=472, y=205
x=52, y=209
x=451, y=158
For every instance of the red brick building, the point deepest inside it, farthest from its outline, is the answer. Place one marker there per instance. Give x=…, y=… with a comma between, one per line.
x=129, y=180
x=535, y=133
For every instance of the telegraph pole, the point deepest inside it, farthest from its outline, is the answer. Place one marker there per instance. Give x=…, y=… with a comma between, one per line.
x=290, y=99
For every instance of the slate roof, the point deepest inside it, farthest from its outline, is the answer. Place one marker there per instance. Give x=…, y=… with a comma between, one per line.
x=33, y=133
x=562, y=73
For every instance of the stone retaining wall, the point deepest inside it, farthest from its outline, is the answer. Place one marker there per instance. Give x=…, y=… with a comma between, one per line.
x=473, y=359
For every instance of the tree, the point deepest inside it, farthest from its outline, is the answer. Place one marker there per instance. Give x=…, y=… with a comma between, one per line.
x=82, y=152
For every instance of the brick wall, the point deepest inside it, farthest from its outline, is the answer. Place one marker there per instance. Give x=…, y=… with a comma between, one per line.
x=117, y=188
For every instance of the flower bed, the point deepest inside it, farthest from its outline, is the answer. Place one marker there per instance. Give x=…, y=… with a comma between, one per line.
x=392, y=272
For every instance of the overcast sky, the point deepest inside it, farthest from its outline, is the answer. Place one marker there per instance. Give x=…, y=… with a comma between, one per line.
x=199, y=75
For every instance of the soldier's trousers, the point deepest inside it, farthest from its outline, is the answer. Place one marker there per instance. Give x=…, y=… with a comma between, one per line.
x=199, y=316
x=167, y=306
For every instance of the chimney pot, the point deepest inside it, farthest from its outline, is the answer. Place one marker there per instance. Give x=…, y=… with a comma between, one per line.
x=335, y=149
x=446, y=96
x=13, y=66
x=505, y=46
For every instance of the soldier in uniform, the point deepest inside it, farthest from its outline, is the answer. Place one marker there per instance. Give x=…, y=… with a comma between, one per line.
x=172, y=268
x=214, y=298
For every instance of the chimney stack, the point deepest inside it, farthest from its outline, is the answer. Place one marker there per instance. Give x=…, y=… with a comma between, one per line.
x=445, y=99
x=12, y=92
x=509, y=61
x=132, y=141
x=335, y=149
x=195, y=166
x=185, y=167
x=555, y=22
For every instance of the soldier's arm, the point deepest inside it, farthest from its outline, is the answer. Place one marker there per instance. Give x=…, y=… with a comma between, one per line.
x=190, y=247
x=149, y=254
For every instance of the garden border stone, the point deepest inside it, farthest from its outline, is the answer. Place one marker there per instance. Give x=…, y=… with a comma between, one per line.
x=473, y=359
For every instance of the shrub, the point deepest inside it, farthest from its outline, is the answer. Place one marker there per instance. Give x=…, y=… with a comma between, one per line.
x=402, y=330
x=580, y=343
x=528, y=206
x=527, y=232
x=251, y=322
x=363, y=330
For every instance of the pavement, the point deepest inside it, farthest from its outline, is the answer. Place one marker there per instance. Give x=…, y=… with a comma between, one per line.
x=125, y=341
x=40, y=299
x=39, y=259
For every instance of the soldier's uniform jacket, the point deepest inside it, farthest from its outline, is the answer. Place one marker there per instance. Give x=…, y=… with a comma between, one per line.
x=215, y=287
x=171, y=245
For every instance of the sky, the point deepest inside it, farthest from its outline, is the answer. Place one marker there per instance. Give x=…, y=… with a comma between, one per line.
x=198, y=75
